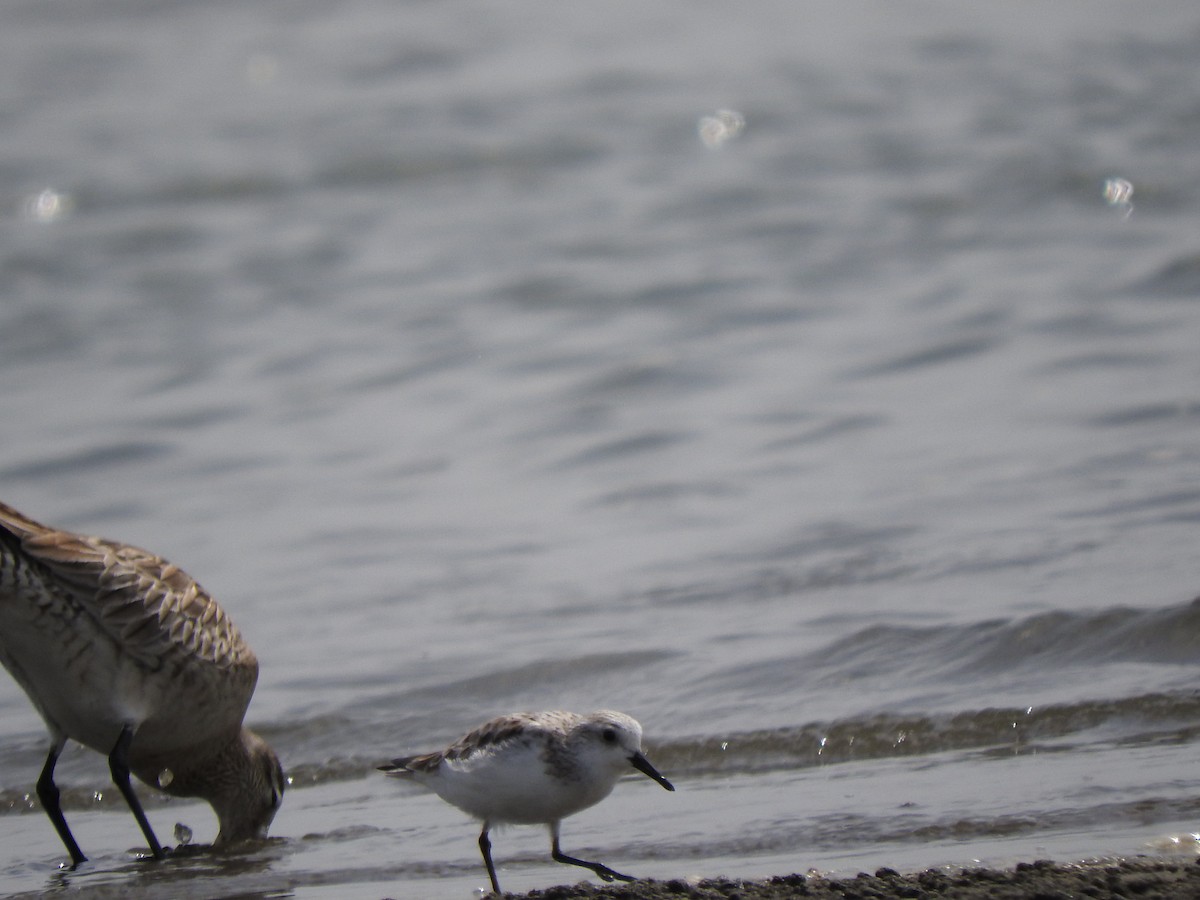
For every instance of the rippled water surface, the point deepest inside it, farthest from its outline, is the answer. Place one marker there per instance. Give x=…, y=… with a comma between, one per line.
x=857, y=456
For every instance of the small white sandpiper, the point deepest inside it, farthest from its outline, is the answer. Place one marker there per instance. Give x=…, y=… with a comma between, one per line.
x=126, y=654
x=533, y=769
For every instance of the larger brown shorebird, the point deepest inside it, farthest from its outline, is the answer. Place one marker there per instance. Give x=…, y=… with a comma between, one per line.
x=125, y=653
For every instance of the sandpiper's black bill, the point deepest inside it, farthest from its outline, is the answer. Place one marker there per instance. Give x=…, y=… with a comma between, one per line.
x=642, y=764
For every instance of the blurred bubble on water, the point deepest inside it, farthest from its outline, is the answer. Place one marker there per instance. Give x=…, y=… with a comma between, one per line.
x=722, y=126
x=47, y=205
x=1118, y=192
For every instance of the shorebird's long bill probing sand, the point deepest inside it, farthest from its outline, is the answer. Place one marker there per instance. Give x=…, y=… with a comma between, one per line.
x=534, y=768
x=124, y=653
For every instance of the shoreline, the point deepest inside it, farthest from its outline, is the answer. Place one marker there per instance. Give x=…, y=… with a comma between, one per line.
x=1145, y=877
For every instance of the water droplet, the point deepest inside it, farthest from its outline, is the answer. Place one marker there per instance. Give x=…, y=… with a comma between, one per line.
x=48, y=205
x=1119, y=193
x=723, y=125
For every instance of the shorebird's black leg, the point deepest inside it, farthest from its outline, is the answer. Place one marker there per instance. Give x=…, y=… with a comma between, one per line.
x=118, y=764
x=47, y=792
x=599, y=868
x=485, y=847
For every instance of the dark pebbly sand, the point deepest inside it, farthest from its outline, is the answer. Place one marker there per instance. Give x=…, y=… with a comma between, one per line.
x=1140, y=877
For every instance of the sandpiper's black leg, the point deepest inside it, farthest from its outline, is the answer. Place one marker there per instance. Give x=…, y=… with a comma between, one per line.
x=485, y=847
x=599, y=868
x=47, y=792
x=118, y=764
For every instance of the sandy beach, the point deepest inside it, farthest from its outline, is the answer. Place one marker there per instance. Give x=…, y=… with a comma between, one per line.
x=1143, y=877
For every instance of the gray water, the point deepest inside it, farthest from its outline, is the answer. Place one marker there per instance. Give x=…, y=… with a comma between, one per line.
x=857, y=456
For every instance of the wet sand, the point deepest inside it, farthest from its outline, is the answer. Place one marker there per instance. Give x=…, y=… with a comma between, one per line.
x=1142, y=877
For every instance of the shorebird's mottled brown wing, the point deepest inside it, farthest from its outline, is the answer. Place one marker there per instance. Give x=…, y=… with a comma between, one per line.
x=153, y=609
x=490, y=735
x=499, y=731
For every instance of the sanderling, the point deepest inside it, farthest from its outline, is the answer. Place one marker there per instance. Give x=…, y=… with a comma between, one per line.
x=123, y=652
x=533, y=769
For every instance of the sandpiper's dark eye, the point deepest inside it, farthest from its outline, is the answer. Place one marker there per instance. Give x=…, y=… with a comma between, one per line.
x=609, y=735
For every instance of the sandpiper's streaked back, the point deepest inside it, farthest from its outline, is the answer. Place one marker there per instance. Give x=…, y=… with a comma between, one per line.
x=125, y=653
x=533, y=768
